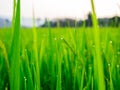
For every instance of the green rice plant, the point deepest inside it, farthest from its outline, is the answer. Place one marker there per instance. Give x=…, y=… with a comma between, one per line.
x=41, y=61
x=26, y=74
x=51, y=60
x=14, y=11
x=67, y=73
x=98, y=63
x=35, y=56
x=2, y=46
x=59, y=61
x=15, y=52
x=59, y=58
x=4, y=67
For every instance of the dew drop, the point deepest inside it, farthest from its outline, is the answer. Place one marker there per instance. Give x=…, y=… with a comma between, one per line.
x=109, y=64
x=90, y=68
x=61, y=38
x=55, y=38
x=25, y=78
x=118, y=66
x=118, y=53
x=111, y=42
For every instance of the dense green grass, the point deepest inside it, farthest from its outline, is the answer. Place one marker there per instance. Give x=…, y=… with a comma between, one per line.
x=69, y=66
x=59, y=58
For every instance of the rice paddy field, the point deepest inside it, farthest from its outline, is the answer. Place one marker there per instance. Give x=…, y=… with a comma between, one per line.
x=59, y=58
x=66, y=59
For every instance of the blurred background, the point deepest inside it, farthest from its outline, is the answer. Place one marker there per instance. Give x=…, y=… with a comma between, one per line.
x=66, y=12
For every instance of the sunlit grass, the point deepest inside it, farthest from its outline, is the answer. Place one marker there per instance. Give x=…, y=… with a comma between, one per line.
x=15, y=51
x=59, y=58
x=72, y=74
x=98, y=62
x=35, y=56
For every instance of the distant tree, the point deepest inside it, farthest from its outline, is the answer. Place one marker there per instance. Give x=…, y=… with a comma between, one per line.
x=118, y=19
x=88, y=22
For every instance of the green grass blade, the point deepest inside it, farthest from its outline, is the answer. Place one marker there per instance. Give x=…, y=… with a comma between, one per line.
x=2, y=46
x=59, y=82
x=35, y=52
x=13, y=18
x=98, y=68
x=15, y=53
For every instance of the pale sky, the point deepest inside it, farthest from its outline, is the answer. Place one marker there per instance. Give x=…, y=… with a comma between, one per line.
x=62, y=8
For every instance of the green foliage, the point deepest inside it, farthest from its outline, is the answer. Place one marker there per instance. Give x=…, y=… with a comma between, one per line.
x=72, y=57
x=15, y=52
x=59, y=58
x=98, y=63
